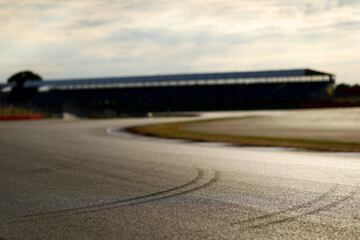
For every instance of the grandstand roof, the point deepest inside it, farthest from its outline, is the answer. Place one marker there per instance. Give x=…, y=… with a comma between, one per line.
x=185, y=79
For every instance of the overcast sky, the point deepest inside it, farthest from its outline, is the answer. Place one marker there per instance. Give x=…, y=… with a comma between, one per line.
x=70, y=39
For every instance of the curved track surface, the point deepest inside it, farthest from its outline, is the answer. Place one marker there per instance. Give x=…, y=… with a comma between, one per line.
x=89, y=180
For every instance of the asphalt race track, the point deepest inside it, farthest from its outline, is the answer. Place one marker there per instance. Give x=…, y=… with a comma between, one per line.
x=85, y=179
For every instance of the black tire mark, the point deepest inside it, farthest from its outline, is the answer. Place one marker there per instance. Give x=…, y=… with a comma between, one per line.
x=270, y=219
x=317, y=210
x=45, y=170
x=56, y=167
x=145, y=200
x=297, y=207
x=175, y=191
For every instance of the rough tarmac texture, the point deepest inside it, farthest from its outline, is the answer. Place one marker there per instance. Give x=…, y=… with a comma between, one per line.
x=83, y=180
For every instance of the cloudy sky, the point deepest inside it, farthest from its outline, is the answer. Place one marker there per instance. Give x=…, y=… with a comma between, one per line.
x=70, y=39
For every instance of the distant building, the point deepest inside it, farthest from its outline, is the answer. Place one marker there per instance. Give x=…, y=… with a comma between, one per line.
x=180, y=92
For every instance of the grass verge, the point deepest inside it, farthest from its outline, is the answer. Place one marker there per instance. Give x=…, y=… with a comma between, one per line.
x=177, y=130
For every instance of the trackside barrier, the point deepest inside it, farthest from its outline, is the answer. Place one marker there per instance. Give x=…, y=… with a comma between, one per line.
x=21, y=117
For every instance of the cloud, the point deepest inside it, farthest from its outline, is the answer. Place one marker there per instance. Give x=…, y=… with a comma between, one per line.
x=64, y=39
x=348, y=25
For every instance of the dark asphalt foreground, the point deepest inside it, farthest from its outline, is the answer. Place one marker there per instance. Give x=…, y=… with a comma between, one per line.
x=81, y=180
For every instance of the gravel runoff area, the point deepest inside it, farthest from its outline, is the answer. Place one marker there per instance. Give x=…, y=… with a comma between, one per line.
x=317, y=129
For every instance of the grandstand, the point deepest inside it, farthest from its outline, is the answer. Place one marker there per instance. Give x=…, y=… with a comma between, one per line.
x=180, y=92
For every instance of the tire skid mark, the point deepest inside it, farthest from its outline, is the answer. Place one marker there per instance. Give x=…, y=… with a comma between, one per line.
x=213, y=179
x=44, y=170
x=59, y=166
x=313, y=206
x=317, y=210
x=203, y=179
x=293, y=208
